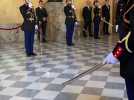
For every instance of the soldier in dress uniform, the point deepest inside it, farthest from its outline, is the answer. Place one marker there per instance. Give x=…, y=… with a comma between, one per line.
x=124, y=52
x=69, y=21
x=96, y=19
x=29, y=26
x=42, y=17
x=87, y=16
x=120, y=25
x=106, y=16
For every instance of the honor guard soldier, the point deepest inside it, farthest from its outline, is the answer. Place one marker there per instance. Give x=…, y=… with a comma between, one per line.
x=29, y=26
x=42, y=16
x=96, y=19
x=121, y=7
x=124, y=52
x=106, y=17
x=69, y=21
x=87, y=16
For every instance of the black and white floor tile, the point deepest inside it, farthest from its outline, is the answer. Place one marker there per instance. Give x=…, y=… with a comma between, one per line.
x=41, y=77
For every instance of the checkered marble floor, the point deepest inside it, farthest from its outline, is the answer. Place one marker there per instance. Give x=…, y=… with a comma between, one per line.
x=41, y=77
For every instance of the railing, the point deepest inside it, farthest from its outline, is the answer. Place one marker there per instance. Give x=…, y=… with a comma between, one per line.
x=9, y=33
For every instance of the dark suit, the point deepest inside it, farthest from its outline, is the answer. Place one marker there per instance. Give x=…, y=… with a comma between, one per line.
x=124, y=52
x=42, y=13
x=28, y=27
x=106, y=16
x=70, y=22
x=97, y=20
x=87, y=16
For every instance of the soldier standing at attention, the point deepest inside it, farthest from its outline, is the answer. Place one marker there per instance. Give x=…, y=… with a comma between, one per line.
x=69, y=21
x=29, y=26
x=106, y=17
x=96, y=19
x=42, y=17
x=87, y=16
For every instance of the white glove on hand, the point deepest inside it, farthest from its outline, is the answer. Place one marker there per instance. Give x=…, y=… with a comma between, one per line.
x=117, y=26
x=110, y=59
x=36, y=27
x=76, y=23
x=30, y=5
x=44, y=19
x=73, y=6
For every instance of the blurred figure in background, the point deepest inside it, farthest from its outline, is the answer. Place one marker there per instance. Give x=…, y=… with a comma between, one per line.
x=42, y=16
x=87, y=16
x=106, y=17
x=120, y=25
x=96, y=19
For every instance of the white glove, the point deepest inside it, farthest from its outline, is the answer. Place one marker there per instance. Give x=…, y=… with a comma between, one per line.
x=110, y=59
x=117, y=26
x=99, y=6
x=76, y=23
x=36, y=27
x=30, y=5
x=44, y=19
x=73, y=6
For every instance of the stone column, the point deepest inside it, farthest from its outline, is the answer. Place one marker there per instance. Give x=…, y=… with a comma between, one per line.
x=56, y=21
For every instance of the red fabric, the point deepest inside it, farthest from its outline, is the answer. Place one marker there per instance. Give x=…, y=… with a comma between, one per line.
x=118, y=52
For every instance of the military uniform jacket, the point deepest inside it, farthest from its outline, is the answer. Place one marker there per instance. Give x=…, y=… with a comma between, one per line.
x=87, y=14
x=70, y=14
x=106, y=12
x=124, y=50
x=41, y=13
x=29, y=18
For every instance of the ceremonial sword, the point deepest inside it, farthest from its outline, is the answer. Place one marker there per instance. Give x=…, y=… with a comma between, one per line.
x=107, y=22
x=96, y=67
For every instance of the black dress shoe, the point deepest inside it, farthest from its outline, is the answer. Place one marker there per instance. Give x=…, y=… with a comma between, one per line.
x=44, y=41
x=29, y=55
x=91, y=35
x=96, y=37
x=33, y=54
x=71, y=44
x=106, y=33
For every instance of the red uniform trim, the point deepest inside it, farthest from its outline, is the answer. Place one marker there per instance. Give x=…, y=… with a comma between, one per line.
x=118, y=52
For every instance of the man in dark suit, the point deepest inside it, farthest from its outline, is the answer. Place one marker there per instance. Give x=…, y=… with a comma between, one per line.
x=87, y=16
x=42, y=16
x=29, y=26
x=69, y=21
x=106, y=17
